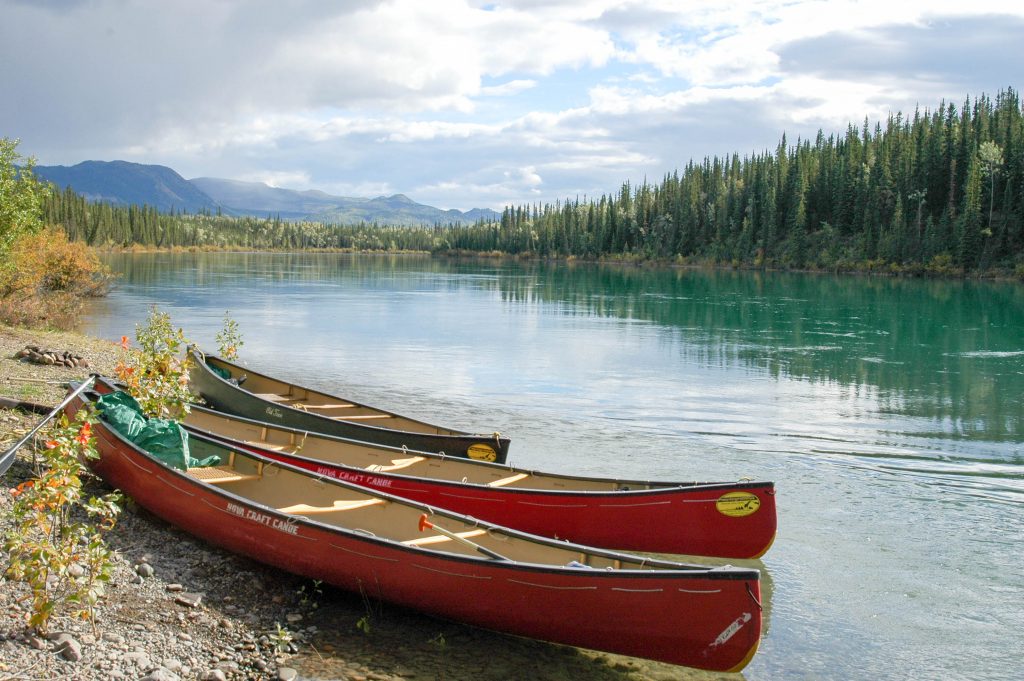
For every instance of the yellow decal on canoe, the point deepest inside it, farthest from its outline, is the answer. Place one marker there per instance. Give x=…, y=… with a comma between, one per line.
x=482, y=452
x=738, y=504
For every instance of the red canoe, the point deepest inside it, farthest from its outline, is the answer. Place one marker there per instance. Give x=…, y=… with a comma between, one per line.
x=466, y=570
x=724, y=519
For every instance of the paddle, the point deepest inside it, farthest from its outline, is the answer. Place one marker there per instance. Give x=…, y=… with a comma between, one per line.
x=7, y=458
x=426, y=524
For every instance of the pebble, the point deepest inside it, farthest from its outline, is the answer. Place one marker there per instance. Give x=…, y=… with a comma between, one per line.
x=286, y=674
x=66, y=645
x=137, y=659
x=160, y=674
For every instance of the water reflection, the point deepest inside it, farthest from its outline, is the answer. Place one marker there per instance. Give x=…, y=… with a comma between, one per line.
x=948, y=353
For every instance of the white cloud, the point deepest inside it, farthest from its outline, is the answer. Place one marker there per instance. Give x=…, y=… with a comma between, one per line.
x=501, y=101
x=512, y=87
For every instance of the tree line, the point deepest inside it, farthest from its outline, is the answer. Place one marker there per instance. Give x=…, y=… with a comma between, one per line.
x=939, y=190
x=107, y=225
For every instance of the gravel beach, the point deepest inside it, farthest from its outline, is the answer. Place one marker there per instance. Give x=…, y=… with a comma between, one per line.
x=178, y=608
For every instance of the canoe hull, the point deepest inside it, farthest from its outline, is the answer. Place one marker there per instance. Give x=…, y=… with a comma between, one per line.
x=230, y=398
x=709, y=619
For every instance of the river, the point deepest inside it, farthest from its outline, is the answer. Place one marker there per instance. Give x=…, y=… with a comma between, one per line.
x=889, y=413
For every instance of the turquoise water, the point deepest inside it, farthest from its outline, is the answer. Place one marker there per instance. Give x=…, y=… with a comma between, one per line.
x=890, y=413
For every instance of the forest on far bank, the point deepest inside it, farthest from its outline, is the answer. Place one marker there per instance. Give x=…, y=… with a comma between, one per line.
x=936, y=191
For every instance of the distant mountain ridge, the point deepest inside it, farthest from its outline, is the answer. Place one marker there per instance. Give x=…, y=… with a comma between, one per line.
x=124, y=183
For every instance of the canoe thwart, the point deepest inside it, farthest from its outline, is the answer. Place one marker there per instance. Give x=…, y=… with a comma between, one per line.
x=509, y=480
x=333, y=405
x=396, y=464
x=287, y=449
x=219, y=474
x=438, y=538
x=339, y=505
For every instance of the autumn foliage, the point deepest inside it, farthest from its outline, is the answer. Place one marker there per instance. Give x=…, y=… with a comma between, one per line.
x=46, y=279
x=43, y=276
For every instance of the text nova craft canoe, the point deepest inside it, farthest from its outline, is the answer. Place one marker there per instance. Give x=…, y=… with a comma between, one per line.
x=723, y=519
x=238, y=390
x=462, y=569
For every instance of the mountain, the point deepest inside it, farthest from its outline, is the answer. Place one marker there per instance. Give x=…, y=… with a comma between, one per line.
x=256, y=198
x=124, y=183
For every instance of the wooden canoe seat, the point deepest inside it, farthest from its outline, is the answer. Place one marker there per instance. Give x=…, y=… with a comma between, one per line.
x=272, y=397
x=396, y=464
x=288, y=449
x=438, y=538
x=363, y=417
x=509, y=480
x=219, y=474
x=339, y=505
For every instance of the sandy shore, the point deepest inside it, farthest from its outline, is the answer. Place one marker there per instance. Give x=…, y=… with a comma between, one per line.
x=181, y=609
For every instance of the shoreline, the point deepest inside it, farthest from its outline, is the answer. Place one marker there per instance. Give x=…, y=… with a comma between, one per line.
x=178, y=608
x=941, y=272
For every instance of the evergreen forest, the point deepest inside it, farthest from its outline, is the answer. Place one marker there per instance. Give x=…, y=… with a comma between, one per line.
x=935, y=191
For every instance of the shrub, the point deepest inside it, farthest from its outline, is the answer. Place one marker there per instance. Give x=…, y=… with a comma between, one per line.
x=64, y=561
x=45, y=279
x=157, y=375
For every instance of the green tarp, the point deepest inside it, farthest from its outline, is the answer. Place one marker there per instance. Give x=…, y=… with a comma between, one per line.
x=220, y=371
x=162, y=438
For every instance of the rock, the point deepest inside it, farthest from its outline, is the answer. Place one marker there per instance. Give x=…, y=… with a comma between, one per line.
x=189, y=600
x=174, y=588
x=144, y=570
x=140, y=660
x=293, y=617
x=66, y=645
x=173, y=665
x=286, y=674
x=160, y=674
x=213, y=675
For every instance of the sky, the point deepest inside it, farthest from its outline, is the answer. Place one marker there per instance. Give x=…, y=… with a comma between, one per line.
x=464, y=104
